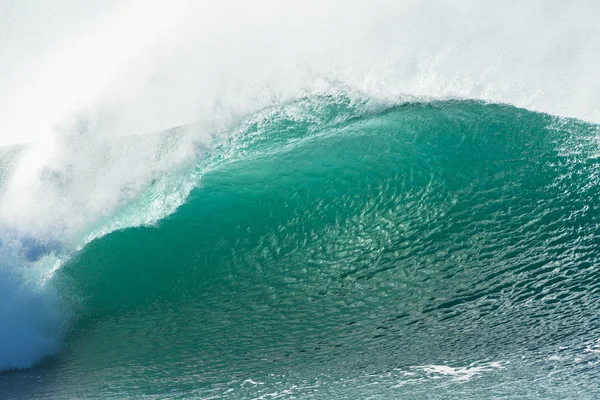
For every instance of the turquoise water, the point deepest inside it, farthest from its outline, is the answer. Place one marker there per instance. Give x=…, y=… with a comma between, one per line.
x=338, y=249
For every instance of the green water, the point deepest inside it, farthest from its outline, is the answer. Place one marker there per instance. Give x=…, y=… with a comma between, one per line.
x=335, y=250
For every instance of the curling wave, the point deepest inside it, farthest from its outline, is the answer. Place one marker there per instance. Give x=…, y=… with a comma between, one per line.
x=334, y=247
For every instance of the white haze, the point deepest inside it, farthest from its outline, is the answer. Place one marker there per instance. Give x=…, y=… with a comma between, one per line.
x=154, y=64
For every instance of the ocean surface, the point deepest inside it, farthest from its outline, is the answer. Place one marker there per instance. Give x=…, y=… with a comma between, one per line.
x=329, y=247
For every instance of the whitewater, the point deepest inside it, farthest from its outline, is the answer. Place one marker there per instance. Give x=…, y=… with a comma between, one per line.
x=388, y=199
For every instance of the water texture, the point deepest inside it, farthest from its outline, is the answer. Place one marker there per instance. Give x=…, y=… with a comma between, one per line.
x=328, y=247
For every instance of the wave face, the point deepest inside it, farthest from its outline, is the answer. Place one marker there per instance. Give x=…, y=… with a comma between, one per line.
x=337, y=248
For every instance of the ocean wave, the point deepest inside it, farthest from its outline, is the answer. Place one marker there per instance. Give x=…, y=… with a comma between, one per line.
x=336, y=233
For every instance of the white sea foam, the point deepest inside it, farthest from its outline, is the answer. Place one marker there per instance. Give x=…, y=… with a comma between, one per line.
x=458, y=373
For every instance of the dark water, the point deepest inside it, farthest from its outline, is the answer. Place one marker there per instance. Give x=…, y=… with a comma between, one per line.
x=444, y=250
